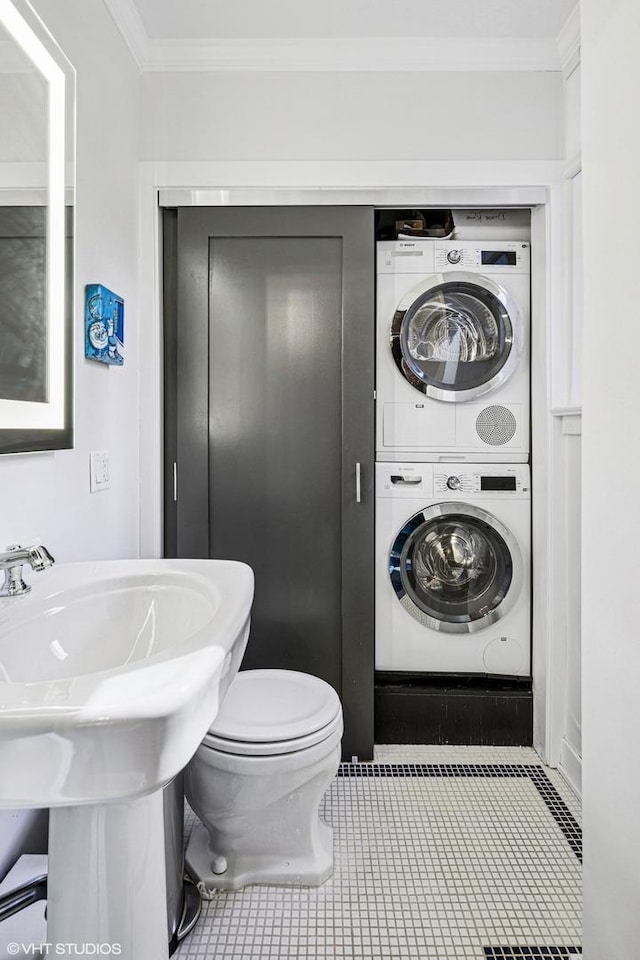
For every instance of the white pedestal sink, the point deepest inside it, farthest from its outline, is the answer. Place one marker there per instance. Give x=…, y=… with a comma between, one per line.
x=110, y=675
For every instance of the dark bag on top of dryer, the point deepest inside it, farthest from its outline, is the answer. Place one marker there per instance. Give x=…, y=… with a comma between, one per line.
x=436, y=224
x=398, y=224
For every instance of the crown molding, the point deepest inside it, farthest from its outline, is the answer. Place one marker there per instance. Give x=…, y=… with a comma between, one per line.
x=124, y=14
x=353, y=54
x=569, y=43
x=364, y=54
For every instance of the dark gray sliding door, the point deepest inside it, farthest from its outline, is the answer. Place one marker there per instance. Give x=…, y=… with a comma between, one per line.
x=269, y=366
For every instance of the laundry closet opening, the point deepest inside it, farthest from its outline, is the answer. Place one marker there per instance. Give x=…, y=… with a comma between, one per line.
x=298, y=384
x=453, y=481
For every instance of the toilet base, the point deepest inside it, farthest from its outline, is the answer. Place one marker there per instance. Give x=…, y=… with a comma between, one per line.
x=295, y=871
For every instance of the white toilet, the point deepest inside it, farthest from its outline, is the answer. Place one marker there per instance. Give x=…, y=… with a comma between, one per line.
x=257, y=780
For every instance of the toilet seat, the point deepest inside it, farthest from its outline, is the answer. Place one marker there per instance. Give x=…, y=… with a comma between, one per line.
x=274, y=712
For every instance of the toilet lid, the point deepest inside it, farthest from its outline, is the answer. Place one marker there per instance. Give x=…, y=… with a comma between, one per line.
x=277, y=748
x=272, y=706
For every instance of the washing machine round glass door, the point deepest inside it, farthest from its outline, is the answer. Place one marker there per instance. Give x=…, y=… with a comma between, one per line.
x=455, y=567
x=457, y=336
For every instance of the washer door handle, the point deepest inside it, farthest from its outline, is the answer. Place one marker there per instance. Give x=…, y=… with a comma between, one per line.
x=398, y=479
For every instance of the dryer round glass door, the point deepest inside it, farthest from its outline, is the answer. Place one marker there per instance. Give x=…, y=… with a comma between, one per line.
x=455, y=567
x=456, y=336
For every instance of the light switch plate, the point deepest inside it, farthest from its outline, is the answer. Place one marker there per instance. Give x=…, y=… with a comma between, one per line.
x=99, y=471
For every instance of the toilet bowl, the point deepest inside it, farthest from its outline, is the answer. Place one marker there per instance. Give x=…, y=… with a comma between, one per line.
x=257, y=780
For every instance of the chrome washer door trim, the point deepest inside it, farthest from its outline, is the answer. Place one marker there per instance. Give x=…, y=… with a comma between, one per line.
x=514, y=340
x=397, y=557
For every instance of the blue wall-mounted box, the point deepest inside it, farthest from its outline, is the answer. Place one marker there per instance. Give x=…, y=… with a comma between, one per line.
x=104, y=325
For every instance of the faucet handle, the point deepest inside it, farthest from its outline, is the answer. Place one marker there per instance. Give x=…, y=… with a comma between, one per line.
x=40, y=558
x=14, y=585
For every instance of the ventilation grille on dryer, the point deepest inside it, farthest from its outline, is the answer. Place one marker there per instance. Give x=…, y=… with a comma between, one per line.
x=496, y=425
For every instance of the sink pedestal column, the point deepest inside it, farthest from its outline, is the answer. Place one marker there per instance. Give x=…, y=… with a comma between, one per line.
x=107, y=882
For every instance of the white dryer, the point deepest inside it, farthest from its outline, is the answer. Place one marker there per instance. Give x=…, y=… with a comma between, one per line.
x=452, y=368
x=453, y=549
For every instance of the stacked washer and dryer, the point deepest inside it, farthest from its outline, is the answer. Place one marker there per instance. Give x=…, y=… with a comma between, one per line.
x=453, y=507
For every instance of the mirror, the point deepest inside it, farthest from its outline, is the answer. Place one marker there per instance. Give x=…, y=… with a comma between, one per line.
x=37, y=106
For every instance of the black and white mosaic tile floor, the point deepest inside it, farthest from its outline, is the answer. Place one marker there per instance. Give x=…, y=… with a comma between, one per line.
x=440, y=852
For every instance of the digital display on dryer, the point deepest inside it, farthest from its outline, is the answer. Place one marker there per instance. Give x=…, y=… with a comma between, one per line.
x=498, y=257
x=498, y=483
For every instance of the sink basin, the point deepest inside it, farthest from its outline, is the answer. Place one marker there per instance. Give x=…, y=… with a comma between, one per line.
x=111, y=673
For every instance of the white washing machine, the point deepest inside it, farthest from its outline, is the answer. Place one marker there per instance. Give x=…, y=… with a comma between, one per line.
x=452, y=367
x=453, y=551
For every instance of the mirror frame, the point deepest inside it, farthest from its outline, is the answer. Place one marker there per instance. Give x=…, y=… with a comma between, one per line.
x=32, y=426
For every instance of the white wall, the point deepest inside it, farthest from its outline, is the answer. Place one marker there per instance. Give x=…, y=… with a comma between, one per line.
x=45, y=496
x=352, y=116
x=611, y=465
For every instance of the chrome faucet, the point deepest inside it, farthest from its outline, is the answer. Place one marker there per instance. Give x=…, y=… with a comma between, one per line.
x=12, y=562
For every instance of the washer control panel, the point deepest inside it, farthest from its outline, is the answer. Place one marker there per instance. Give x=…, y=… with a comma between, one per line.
x=508, y=256
x=427, y=482
x=491, y=483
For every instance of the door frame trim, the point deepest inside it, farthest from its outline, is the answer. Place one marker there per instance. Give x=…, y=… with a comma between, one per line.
x=520, y=183
x=283, y=196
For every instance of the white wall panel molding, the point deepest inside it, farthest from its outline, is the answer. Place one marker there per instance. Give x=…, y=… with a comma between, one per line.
x=564, y=583
x=569, y=43
x=353, y=54
x=570, y=766
x=571, y=419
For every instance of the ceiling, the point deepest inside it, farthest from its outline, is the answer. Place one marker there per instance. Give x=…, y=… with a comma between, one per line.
x=348, y=34
x=188, y=19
